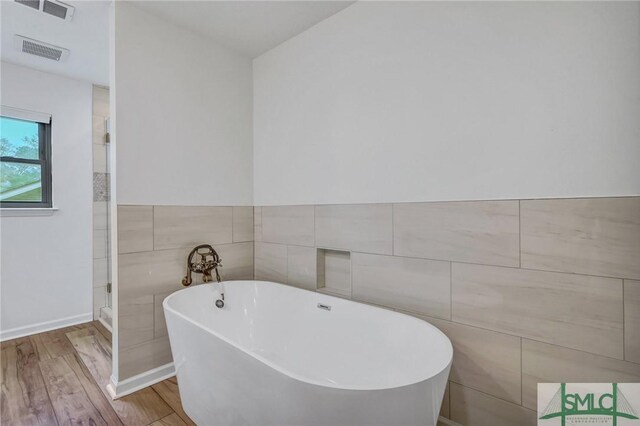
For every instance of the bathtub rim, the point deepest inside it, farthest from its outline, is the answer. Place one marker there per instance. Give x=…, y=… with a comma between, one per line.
x=282, y=370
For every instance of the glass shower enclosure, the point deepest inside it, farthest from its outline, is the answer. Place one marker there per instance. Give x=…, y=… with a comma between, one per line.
x=101, y=207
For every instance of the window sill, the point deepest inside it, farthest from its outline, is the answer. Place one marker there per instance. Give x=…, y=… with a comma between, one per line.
x=27, y=211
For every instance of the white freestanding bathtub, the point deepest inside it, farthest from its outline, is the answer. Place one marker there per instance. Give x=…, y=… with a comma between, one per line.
x=274, y=356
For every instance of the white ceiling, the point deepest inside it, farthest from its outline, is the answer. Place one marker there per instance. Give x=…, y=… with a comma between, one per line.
x=86, y=36
x=249, y=27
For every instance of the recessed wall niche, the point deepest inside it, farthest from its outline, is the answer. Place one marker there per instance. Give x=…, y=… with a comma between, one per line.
x=334, y=272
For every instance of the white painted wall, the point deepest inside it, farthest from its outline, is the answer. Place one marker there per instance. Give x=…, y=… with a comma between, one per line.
x=46, y=274
x=419, y=101
x=184, y=115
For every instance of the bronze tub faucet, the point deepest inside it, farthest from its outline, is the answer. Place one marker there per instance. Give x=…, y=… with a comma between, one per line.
x=208, y=261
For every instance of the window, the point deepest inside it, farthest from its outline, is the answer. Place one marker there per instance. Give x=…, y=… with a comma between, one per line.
x=25, y=159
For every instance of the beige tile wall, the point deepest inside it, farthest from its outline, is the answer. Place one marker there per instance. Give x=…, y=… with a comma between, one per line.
x=527, y=291
x=153, y=245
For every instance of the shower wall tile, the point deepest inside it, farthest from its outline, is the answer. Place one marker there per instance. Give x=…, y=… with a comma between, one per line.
x=546, y=306
x=414, y=285
x=302, y=267
x=98, y=129
x=101, y=187
x=270, y=262
x=135, y=229
x=100, y=272
x=101, y=198
x=632, y=320
x=472, y=408
x=596, y=236
x=257, y=224
x=135, y=320
x=100, y=243
x=188, y=226
x=358, y=227
x=101, y=101
x=242, y=224
x=99, y=300
x=484, y=360
x=288, y=225
x=101, y=215
x=99, y=158
x=542, y=362
x=485, y=232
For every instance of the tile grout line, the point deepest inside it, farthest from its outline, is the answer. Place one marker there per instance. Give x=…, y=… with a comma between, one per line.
x=393, y=230
x=451, y=291
x=488, y=395
x=519, y=234
x=428, y=317
x=521, y=375
x=624, y=354
x=153, y=227
x=452, y=261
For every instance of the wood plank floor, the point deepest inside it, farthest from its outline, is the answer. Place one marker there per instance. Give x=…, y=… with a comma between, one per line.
x=60, y=377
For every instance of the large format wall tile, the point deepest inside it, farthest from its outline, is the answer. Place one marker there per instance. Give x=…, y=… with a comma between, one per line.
x=257, y=224
x=362, y=227
x=577, y=311
x=544, y=363
x=147, y=273
x=415, y=285
x=100, y=272
x=100, y=243
x=135, y=320
x=469, y=407
x=187, y=226
x=484, y=232
x=159, y=322
x=270, y=262
x=144, y=357
x=632, y=320
x=444, y=409
x=598, y=236
x=135, y=228
x=302, y=265
x=101, y=215
x=484, y=360
x=99, y=300
x=237, y=261
x=242, y=224
x=288, y=225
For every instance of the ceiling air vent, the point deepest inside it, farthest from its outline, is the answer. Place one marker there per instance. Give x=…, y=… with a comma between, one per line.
x=57, y=8
x=34, y=4
x=40, y=48
x=51, y=7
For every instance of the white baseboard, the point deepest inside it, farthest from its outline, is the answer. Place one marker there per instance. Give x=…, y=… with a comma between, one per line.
x=125, y=387
x=28, y=330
